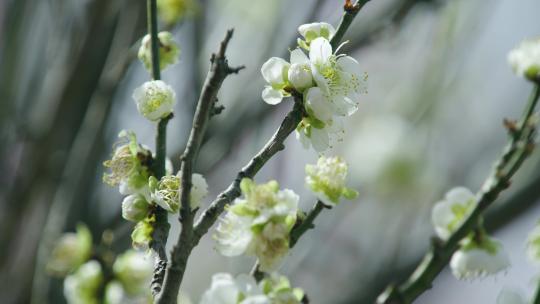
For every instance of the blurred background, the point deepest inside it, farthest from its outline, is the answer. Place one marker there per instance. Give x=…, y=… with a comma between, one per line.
x=438, y=89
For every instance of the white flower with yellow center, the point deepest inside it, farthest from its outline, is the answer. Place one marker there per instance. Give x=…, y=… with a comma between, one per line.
x=525, y=59
x=260, y=224
x=311, y=31
x=327, y=180
x=479, y=258
x=166, y=192
x=448, y=214
x=168, y=51
x=154, y=99
x=339, y=79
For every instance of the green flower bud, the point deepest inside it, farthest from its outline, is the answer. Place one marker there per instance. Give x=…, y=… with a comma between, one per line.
x=142, y=233
x=70, y=251
x=172, y=11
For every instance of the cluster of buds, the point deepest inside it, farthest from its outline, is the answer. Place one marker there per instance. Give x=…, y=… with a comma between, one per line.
x=330, y=85
x=225, y=289
x=260, y=224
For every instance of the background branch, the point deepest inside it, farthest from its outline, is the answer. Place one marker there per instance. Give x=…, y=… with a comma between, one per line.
x=519, y=147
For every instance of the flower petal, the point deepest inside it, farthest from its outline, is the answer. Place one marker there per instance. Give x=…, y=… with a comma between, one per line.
x=274, y=70
x=318, y=104
x=297, y=56
x=271, y=96
x=320, y=51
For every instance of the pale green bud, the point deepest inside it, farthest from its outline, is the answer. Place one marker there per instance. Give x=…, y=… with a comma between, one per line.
x=327, y=180
x=83, y=286
x=134, y=208
x=70, y=251
x=525, y=59
x=448, y=214
x=134, y=270
x=172, y=11
x=155, y=99
x=168, y=51
x=142, y=234
x=312, y=31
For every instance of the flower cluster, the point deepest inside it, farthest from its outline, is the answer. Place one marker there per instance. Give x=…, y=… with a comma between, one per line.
x=478, y=255
x=166, y=192
x=330, y=84
x=327, y=180
x=525, y=59
x=259, y=224
x=225, y=289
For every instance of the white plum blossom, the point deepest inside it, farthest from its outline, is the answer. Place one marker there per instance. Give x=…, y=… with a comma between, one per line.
x=154, y=99
x=82, y=286
x=449, y=213
x=311, y=31
x=168, y=51
x=225, y=289
x=327, y=180
x=134, y=207
x=533, y=244
x=509, y=296
x=133, y=270
x=525, y=59
x=275, y=71
x=337, y=76
x=70, y=251
x=312, y=132
x=475, y=259
x=166, y=192
x=260, y=224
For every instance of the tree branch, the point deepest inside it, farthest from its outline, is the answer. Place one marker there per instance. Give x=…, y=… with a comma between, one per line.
x=518, y=149
x=219, y=70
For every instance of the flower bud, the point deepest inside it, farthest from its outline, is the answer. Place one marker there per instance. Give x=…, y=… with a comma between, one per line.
x=142, y=234
x=327, y=180
x=172, y=11
x=300, y=76
x=279, y=290
x=134, y=208
x=70, y=251
x=311, y=31
x=155, y=99
x=168, y=51
x=134, y=270
x=83, y=286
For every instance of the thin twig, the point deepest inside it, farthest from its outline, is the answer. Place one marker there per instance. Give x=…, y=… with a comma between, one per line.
x=536, y=296
x=517, y=150
x=219, y=70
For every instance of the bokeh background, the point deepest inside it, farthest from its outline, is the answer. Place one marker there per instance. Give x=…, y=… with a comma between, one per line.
x=438, y=89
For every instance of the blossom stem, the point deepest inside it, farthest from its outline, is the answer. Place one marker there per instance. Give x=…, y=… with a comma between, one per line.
x=438, y=256
x=219, y=70
x=161, y=225
x=350, y=11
